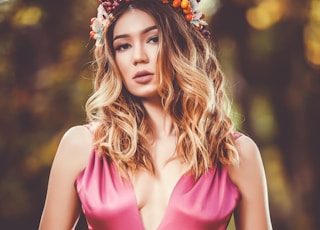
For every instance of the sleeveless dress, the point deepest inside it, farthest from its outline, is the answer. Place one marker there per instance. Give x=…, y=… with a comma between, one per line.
x=108, y=202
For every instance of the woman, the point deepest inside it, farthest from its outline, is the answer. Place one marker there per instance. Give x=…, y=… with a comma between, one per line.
x=160, y=151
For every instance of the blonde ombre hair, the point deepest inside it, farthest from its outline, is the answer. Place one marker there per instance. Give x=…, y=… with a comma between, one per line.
x=192, y=92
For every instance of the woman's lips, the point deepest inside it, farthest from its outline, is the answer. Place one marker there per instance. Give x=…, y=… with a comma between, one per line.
x=143, y=79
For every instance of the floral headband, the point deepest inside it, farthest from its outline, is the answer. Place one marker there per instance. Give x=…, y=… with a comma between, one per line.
x=190, y=9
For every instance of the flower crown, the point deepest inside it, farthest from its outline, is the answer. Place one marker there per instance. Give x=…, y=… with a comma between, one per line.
x=190, y=9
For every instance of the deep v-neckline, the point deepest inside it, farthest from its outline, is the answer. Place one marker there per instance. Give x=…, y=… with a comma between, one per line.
x=173, y=193
x=109, y=202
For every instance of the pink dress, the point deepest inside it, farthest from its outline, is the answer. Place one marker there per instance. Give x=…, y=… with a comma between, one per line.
x=108, y=203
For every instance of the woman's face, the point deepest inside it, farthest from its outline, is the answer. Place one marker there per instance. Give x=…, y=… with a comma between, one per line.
x=135, y=41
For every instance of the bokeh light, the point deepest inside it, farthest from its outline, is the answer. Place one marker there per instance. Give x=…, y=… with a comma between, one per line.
x=28, y=16
x=312, y=34
x=265, y=14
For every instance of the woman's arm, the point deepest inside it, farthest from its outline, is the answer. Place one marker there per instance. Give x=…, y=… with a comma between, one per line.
x=62, y=207
x=252, y=212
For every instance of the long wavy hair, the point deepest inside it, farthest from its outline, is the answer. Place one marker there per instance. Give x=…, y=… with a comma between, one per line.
x=191, y=88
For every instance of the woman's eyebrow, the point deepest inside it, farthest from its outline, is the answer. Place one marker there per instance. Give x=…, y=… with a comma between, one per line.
x=146, y=30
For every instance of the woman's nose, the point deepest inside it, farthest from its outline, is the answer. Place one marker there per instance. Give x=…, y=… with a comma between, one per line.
x=139, y=54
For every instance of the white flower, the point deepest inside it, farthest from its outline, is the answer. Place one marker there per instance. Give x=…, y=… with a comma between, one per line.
x=98, y=25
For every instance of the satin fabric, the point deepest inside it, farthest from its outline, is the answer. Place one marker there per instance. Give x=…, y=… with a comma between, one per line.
x=109, y=202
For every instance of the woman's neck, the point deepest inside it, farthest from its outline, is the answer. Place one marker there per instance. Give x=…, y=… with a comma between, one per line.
x=160, y=122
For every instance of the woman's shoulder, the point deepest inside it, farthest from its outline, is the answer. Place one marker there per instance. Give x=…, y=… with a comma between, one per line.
x=75, y=148
x=77, y=138
x=250, y=162
x=246, y=146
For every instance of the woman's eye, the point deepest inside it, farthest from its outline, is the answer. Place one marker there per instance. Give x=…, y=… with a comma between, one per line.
x=154, y=39
x=122, y=47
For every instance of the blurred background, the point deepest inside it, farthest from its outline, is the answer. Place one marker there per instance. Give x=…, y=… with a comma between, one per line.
x=269, y=51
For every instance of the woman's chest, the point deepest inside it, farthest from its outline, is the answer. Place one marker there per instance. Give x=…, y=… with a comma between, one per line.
x=153, y=192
